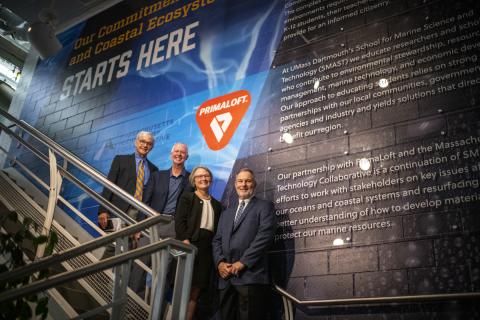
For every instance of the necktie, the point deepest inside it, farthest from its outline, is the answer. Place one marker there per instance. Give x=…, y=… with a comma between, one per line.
x=140, y=178
x=239, y=212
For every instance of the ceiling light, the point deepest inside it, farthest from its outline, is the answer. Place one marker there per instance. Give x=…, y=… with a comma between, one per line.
x=43, y=39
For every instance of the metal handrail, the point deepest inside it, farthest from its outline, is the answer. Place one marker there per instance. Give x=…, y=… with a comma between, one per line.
x=46, y=262
x=121, y=272
x=373, y=300
x=16, y=162
x=111, y=207
x=80, y=164
x=99, y=266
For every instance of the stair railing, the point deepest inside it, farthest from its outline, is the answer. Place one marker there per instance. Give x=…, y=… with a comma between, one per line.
x=58, y=172
x=55, y=149
x=121, y=264
x=290, y=301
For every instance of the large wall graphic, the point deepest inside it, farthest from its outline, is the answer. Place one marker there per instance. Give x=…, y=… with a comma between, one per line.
x=150, y=65
x=407, y=223
x=359, y=117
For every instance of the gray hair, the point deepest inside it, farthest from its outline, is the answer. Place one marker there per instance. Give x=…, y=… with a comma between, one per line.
x=181, y=144
x=251, y=172
x=191, y=178
x=146, y=133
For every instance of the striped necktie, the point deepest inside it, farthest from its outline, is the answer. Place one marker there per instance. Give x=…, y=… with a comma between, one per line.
x=239, y=212
x=140, y=178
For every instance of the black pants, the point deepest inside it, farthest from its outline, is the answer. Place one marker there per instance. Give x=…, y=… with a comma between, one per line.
x=248, y=302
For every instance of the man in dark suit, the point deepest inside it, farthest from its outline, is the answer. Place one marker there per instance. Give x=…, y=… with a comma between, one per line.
x=244, y=235
x=131, y=173
x=123, y=172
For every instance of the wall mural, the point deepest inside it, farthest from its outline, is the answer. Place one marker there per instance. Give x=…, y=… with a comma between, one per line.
x=360, y=119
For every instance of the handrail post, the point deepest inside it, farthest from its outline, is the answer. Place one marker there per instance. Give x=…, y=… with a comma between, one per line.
x=159, y=280
x=121, y=275
x=183, y=282
x=156, y=258
x=55, y=185
x=287, y=308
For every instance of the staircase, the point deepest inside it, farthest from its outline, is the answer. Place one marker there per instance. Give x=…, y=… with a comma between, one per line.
x=87, y=293
x=97, y=291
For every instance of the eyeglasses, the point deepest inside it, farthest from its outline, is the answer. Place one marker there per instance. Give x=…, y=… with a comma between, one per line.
x=147, y=143
x=204, y=176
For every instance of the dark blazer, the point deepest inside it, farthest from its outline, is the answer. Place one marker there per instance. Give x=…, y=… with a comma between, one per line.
x=123, y=172
x=248, y=242
x=189, y=215
x=156, y=190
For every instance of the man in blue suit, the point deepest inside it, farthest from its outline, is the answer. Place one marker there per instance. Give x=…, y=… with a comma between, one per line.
x=244, y=235
x=162, y=193
x=165, y=187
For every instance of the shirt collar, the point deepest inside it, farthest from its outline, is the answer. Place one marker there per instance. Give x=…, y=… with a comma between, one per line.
x=139, y=157
x=182, y=174
x=245, y=200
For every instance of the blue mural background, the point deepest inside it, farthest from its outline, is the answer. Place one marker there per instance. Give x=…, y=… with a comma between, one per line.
x=235, y=43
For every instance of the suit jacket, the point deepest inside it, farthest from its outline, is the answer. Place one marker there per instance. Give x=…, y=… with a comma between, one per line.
x=189, y=215
x=123, y=172
x=156, y=190
x=247, y=242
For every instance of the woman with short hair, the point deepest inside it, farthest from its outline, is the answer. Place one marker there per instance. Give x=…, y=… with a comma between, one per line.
x=196, y=221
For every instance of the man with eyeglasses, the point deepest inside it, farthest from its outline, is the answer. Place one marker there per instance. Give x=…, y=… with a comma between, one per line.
x=130, y=172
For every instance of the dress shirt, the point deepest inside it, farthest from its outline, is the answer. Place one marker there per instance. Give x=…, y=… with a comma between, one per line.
x=173, y=192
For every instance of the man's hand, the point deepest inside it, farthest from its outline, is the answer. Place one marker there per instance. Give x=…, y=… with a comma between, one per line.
x=186, y=241
x=103, y=220
x=224, y=269
x=236, y=268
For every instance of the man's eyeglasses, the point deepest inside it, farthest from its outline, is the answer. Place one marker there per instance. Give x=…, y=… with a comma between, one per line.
x=147, y=143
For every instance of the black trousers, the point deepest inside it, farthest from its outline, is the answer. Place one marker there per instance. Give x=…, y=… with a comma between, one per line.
x=247, y=302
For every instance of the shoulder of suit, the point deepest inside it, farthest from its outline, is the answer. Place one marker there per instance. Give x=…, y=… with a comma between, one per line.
x=125, y=156
x=152, y=166
x=124, y=159
x=262, y=202
x=189, y=195
x=216, y=201
x=162, y=173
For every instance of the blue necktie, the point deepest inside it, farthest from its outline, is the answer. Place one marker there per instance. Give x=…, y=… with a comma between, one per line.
x=239, y=212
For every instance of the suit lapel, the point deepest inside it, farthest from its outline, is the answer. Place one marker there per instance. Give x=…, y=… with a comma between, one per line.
x=150, y=167
x=228, y=215
x=132, y=168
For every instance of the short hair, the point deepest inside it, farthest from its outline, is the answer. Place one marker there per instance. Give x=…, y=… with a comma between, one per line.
x=146, y=133
x=191, y=178
x=250, y=171
x=179, y=143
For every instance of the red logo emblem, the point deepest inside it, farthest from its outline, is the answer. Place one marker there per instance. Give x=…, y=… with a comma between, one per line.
x=218, y=118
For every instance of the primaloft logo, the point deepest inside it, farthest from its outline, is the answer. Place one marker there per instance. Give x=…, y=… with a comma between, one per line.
x=218, y=118
x=220, y=124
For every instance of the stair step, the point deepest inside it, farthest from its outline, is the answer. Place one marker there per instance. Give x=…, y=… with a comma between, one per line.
x=80, y=300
